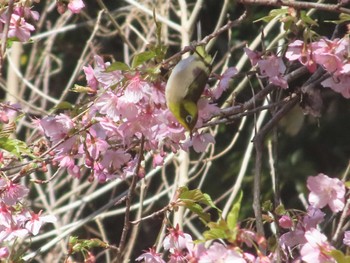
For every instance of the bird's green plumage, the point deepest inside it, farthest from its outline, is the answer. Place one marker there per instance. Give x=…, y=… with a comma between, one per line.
x=186, y=85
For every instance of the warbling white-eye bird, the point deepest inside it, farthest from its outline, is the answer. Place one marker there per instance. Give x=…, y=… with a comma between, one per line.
x=186, y=85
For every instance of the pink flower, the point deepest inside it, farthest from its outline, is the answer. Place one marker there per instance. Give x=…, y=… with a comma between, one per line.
x=224, y=82
x=5, y=215
x=136, y=90
x=26, y=12
x=75, y=6
x=177, y=240
x=326, y=191
x=4, y=252
x=346, y=239
x=219, y=253
x=57, y=127
x=37, y=220
x=114, y=159
x=151, y=257
x=12, y=193
x=296, y=236
x=253, y=56
x=273, y=67
x=339, y=84
x=298, y=50
x=13, y=231
x=285, y=222
x=18, y=27
x=90, y=77
x=317, y=249
x=8, y=112
x=201, y=141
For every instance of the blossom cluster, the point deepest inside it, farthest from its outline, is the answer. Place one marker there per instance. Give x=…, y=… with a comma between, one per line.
x=18, y=26
x=301, y=237
x=127, y=110
x=332, y=55
x=16, y=221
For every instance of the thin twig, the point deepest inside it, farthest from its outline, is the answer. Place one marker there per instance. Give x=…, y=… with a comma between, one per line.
x=206, y=39
x=4, y=33
x=337, y=8
x=259, y=143
x=83, y=54
x=129, y=200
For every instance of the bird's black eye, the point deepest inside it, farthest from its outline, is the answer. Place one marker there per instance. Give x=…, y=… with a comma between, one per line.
x=189, y=119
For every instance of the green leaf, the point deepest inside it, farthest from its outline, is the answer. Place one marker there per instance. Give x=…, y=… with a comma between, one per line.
x=273, y=14
x=197, y=209
x=16, y=147
x=339, y=256
x=142, y=57
x=307, y=19
x=220, y=230
x=192, y=199
x=280, y=210
x=347, y=184
x=342, y=18
x=232, y=217
x=118, y=65
x=267, y=206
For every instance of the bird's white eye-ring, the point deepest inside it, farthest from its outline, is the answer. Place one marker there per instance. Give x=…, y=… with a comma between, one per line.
x=189, y=119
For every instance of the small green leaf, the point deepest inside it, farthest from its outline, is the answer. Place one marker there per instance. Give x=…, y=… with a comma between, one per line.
x=267, y=206
x=342, y=18
x=232, y=217
x=347, y=184
x=339, y=256
x=307, y=19
x=216, y=230
x=16, y=147
x=142, y=58
x=192, y=199
x=275, y=13
x=118, y=65
x=280, y=210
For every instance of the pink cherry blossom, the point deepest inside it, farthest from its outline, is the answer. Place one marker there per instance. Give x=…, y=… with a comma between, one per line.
x=90, y=77
x=151, y=257
x=56, y=127
x=37, y=220
x=326, y=191
x=12, y=232
x=177, y=240
x=19, y=28
x=8, y=111
x=273, y=67
x=253, y=56
x=298, y=50
x=339, y=84
x=309, y=221
x=317, y=248
x=75, y=6
x=219, y=253
x=346, y=239
x=201, y=141
x=5, y=214
x=224, y=82
x=12, y=193
x=26, y=12
x=4, y=252
x=285, y=222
